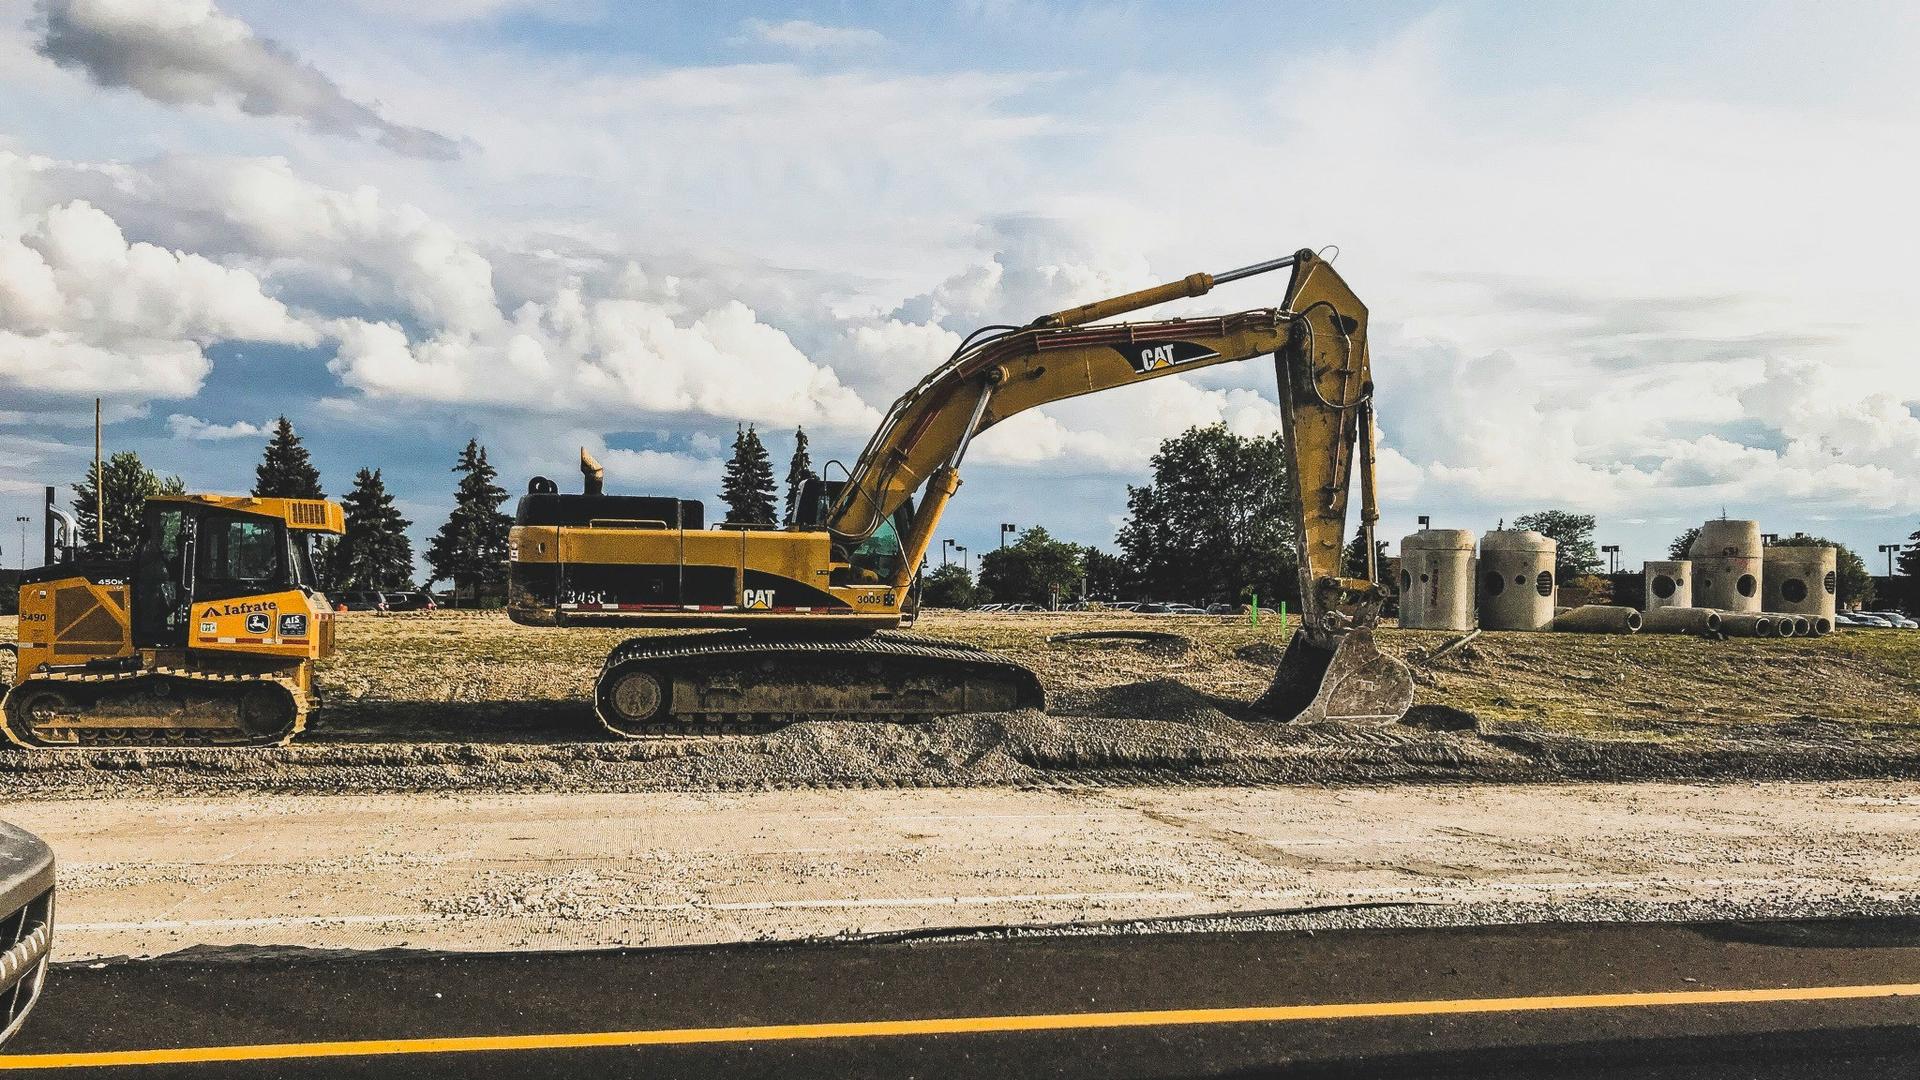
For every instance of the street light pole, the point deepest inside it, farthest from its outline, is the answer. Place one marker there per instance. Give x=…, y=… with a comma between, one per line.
x=944, y=545
x=1005, y=528
x=1890, y=549
x=963, y=559
x=1613, y=557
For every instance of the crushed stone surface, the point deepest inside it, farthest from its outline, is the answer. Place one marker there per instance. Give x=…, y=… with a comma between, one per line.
x=465, y=702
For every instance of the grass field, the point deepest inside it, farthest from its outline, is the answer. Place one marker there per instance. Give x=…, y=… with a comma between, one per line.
x=1642, y=686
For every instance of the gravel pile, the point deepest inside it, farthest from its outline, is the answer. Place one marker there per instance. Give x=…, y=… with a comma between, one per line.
x=1155, y=731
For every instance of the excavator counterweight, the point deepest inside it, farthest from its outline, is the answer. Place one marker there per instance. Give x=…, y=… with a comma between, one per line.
x=807, y=609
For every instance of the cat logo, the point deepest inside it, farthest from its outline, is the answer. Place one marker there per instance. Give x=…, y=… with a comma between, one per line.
x=1155, y=356
x=759, y=599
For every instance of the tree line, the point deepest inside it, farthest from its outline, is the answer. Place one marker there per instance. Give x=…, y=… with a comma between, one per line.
x=1214, y=524
x=469, y=551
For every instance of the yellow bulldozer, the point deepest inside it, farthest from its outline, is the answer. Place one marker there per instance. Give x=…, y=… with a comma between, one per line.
x=207, y=637
x=805, y=619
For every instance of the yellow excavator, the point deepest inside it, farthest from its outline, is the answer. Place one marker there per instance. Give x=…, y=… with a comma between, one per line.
x=805, y=618
x=207, y=637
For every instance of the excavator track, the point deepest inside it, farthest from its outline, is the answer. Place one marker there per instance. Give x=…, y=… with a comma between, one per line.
x=160, y=706
x=742, y=682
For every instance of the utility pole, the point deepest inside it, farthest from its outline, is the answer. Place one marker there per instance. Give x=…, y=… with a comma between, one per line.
x=99, y=486
x=23, y=519
x=1005, y=528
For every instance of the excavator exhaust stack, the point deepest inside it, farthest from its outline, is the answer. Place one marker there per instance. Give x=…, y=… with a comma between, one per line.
x=1350, y=681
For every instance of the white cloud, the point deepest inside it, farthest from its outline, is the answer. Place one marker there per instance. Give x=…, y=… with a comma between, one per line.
x=810, y=37
x=192, y=427
x=84, y=312
x=189, y=52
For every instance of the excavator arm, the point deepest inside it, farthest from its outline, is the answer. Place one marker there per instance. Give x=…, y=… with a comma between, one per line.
x=1318, y=339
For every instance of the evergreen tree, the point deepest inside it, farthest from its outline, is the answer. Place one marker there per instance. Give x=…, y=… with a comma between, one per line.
x=747, y=488
x=1353, y=558
x=470, y=550
x=285, y=471
x=128, y=483
x=1909, y=560
x=375, y=553
x=799, y=470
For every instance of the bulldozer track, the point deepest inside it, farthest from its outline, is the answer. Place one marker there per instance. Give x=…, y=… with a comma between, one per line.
x=742, y=650
x=87, y=688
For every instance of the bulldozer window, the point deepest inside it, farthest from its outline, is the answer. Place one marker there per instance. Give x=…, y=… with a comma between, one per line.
x=160, y=578
x=238, y=556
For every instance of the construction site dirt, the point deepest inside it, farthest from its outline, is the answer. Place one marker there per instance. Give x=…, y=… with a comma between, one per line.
x=470, y=702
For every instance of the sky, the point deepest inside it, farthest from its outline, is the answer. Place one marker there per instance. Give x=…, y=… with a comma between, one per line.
x=1651, y=262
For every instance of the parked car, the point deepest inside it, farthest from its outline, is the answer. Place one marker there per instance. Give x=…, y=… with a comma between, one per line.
x=1842, y=618
x=1150, y=608
x=1861, y=618
x=26, y=924
x=1184, y=609
x=1895, y=618
x=412, y=600
x=1223, y=609
x=362, y=600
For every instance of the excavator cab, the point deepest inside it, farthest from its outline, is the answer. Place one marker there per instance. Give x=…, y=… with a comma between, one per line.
x=875, y=559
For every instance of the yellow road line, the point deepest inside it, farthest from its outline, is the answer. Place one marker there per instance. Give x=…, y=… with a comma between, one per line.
x=959, y=1025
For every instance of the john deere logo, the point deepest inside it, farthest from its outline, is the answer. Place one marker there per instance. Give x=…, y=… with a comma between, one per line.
x=257, y=624
x=1153, y=356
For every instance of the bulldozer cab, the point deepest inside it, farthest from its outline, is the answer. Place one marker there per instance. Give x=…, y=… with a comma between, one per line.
x=193, y=553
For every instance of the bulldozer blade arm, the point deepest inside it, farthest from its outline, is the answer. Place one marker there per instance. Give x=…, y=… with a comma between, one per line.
x=1351, y=683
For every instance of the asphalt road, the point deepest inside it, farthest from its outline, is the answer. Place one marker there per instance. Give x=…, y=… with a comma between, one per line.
x=1737, y=999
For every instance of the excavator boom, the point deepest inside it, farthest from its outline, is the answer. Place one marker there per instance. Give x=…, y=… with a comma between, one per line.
x=846, y=566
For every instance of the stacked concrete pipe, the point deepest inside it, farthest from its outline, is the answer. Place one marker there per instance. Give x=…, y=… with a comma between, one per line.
x=1598, y=619
x=1702, y=622
x=1748, y=624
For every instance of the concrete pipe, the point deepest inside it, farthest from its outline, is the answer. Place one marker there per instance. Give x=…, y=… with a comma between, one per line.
x=1704, y=622
x=1800, y=581
x=1436, y=580
x=1783, y=625
x=1517, y=589
x=1669, y=584
x=1727, y=566
x=1598, y=619
x=1747, y=624
x=1802, y=626
x=1822, y=626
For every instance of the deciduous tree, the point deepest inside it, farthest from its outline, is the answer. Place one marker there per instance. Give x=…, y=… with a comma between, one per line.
x=1216, y=522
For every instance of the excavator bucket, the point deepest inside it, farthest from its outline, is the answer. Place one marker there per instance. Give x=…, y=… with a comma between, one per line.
x=1353, y=682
